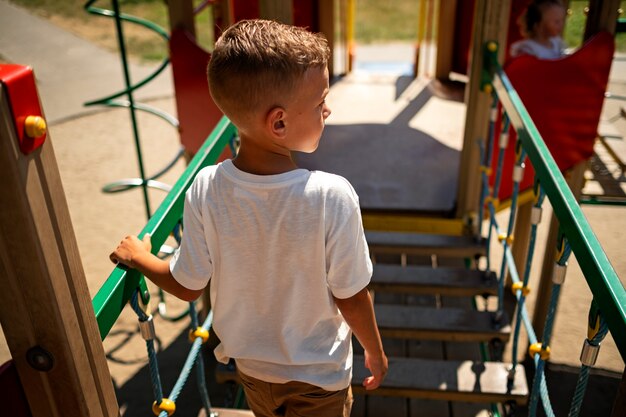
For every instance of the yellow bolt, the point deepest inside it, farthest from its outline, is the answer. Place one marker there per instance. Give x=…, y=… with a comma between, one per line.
x=199, y=332
x=166, y=405
x=517, y=286
x=487, y=88
x=537, y=348
x=486, y=169
x=35, y=126
x=492, y=46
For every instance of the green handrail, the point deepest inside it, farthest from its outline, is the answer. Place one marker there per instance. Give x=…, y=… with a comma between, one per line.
x=604, y=283
x=119, y=286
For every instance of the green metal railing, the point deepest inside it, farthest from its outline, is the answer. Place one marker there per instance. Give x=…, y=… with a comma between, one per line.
x=608, y=308
x=120, y=285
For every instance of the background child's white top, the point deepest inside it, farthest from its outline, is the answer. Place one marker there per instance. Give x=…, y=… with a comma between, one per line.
x=532, y=47
x=276, y=249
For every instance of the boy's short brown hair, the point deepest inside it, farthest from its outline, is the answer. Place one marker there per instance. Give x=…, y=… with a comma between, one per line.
x=257, y=63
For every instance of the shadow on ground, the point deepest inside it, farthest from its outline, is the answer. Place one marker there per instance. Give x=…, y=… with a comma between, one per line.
x=601, y=390
x=135, y=397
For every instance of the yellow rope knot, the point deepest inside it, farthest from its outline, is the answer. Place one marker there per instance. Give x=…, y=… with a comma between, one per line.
x=503, y=236
x=492, y=46
x=166, y=405
x=492, y=200
x=486, y=170
x=519, y=286
x=488, y=88
x=199, y=332
x=537, y=348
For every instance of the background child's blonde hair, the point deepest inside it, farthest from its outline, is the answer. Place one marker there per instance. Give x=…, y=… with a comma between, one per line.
x=257, y=63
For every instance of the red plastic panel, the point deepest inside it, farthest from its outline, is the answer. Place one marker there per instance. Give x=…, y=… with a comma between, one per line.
x=306, y=14
x=19, y=82
x=197, y=113
x=564, y=98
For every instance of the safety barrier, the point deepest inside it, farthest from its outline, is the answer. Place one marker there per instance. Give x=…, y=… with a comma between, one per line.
x=608, y=309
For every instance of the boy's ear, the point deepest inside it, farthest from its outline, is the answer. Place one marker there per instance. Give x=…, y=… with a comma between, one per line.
x=275, y=122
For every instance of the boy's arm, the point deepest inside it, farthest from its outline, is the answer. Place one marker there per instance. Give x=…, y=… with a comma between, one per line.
x=358, y=311
x=135, y=253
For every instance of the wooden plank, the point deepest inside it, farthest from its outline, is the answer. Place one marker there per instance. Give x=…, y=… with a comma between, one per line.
x=470, y=381
x=426, y=280
x=425, y=244
x=445, y=39
x=491, y=19
x=326, y=12
x=181, y=15
x=45, y=306
x=227, y=412
x=446, y=324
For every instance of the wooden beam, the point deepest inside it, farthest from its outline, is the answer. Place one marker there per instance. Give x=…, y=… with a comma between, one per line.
x=602, y=16
x=326, y=10
x=411, y=279
x=45, y=308
x=575, y=180
x=446, y=324
x=425, y=244
x=521, y=233
x=181, y=15
x=491, y=19
x=279, y=10
x=445, y=39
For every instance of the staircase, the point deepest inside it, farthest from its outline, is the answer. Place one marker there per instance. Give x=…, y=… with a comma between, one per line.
x=431, y=331
x=423, y=295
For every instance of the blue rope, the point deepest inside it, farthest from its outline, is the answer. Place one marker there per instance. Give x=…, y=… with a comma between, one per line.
x=486, y=161
x=191, y=359
x=153, y=364
x=204, y=395
x=547, y=332
x=581, y=384
x=521, y=297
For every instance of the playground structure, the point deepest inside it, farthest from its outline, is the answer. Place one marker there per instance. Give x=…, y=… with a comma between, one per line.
x=610, y=296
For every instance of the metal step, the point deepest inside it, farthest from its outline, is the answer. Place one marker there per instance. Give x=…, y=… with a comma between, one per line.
x=470, y=381
x=425, y=244
x=445, y=324
x=426, y=280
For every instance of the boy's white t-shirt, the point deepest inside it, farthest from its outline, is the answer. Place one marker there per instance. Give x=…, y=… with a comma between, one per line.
x=556, y=49
x=276, y=248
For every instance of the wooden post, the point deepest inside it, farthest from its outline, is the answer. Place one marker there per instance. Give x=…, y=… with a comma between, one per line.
x=327, y=16
x=521, y=233
x=45, y=308
x=602, y=17
x=575, y=178
x=279, y=10
x=491, y=19
x=181, y=15
x=445, y=39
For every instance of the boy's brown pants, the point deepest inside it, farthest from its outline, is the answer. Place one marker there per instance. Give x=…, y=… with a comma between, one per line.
x=294, y=399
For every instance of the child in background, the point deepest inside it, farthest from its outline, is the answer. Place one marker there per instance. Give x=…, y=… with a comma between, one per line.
x=541, y=25
x=283, y=247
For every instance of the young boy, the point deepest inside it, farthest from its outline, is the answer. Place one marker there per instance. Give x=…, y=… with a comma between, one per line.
x=283, y=247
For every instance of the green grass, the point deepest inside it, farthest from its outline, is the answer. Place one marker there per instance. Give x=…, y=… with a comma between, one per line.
x=382, y=21
x=575, y=27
